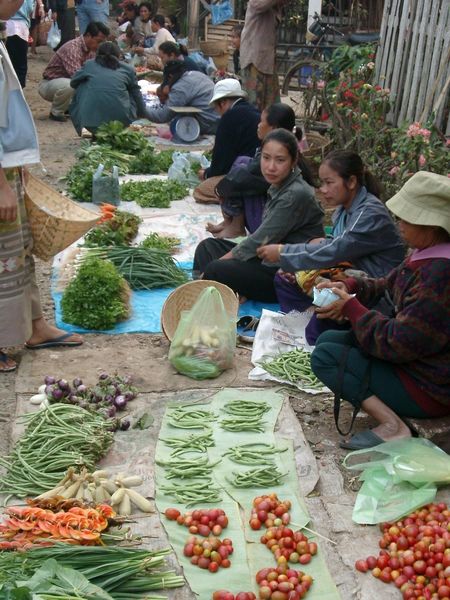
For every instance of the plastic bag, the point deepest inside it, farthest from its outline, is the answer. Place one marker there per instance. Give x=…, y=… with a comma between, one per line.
x=106, y=188
x=185, y=165
x=54, y=35
x=404, y=478
x=220, y=12
x=205, y=339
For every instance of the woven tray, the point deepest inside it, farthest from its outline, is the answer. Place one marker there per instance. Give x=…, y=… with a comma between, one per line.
x=185, y=296
x=56, y=222
x=318, y=144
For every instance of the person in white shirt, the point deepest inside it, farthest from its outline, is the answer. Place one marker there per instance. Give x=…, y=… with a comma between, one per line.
x=161, y=35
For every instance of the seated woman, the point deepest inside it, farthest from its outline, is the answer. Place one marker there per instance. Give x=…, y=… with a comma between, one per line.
x=173, y=26
x=236, y=136
x=143, y=24
x=173, y=51
x=242, y=193
x=181, y=87
x=396, y=366
x=363, y=234
x=106, y=89
x=291, y=214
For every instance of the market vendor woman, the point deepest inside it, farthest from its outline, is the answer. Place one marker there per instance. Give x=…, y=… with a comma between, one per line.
x=396, y=366
x=291, y=213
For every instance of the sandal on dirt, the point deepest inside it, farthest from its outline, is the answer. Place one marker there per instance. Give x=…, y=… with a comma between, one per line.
x=4, y=368
x=246, y=328
x=362, y=441
x=62, y=340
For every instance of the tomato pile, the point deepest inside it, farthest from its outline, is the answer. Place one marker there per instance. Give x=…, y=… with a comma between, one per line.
x=269, y=511
x=287, y=545
x=281, y=583
x=226, y=595
x=415, y=554
x=202, y=522
x=210, y=554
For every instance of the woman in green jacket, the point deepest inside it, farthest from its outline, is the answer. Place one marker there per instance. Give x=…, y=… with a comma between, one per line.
x=106, y=90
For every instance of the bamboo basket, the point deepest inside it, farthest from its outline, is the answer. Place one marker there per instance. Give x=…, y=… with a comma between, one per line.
x=218, y=51
x=55, y=221
x=318, y=144
x=184, y=298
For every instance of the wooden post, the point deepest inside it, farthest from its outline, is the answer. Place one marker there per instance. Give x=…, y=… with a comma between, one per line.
x=193, y=22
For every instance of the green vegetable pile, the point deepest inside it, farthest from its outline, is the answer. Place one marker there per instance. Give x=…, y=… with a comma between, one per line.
x=115, y=145
x=294, y=366
x=120, y=230
x=98, y=296
x=161, y=242
x=55, y=439
x=142, y=268
x=153, y=194
x=65, y=572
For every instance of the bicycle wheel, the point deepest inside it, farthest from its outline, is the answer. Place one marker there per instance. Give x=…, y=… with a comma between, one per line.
x=303, y=83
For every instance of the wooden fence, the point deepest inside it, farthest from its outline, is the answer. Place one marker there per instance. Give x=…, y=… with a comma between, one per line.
x=413, y=60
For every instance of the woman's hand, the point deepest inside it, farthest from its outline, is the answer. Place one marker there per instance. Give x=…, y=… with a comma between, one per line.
x=290, y=277
x=270, y=253
x=226, y=256
x=334, y=310
x=138, y=50
x=201, y=174
x=332, y=284
x=8, y=202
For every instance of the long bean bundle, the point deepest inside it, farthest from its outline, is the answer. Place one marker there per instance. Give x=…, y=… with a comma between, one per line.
x=194, y=491
x=119, y=571
x=187, y=468
x=56, y=438
x=259, y=477
x=294, y=366
x=143, y=268
x=253, y=453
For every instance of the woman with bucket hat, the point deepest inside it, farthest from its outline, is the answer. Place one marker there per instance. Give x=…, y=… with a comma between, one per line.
x=397, y=366
x=236, y=136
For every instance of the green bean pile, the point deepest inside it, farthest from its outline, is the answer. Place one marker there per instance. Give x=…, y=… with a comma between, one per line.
x=194, y=492
x=55, y=438
x=294, y=366
x=260, y=477
x=254, y=454
x=244, y=424
x=193, y=443
x=186, y=468
x=195, y=419
x=246, y=408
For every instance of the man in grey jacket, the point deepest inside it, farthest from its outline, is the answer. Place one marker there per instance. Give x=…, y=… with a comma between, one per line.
x=186, y=88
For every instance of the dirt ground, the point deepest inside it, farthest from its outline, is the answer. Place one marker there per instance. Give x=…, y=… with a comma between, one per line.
x=335, y=491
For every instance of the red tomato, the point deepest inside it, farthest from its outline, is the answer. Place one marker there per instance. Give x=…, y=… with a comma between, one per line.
x=172, y=514
x=361, y=565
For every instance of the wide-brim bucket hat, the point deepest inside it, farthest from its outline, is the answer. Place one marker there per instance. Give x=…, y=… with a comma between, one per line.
x=227, y=88
x=423, y=200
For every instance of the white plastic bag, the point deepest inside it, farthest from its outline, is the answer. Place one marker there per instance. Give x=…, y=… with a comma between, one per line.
x=183, y=167
x=54, y=36
x=106, y=188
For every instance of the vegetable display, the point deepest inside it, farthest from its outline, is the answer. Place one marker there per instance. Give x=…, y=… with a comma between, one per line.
x=153, y=194
x=415, y=554
x=186, y=468
x=121, y=572
x=211, y=554
x=194, y=491
x=59, y=437
x=246, y=408
x=244, y=424
x=287, y=545
x=226, y=595
x=118, y=228
x=97, y=298
x=161, y=242
x=281, y=583
x=191, y=419
x=294, y=366
x=269, y=511
x=192, y=443
x=258, y=477
x=143, y=268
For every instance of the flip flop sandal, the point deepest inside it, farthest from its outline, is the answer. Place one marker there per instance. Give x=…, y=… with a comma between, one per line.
x=3, y=366
x=62, y=340
x=246, y=328
x=362, y=441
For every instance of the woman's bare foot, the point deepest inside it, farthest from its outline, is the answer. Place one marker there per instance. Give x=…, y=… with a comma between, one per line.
x=44, y=332
x=392, y=431
x=7, y=364
x=229, y=233
x=215, y=227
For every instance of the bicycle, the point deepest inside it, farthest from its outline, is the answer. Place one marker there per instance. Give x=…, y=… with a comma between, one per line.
x=310, y=67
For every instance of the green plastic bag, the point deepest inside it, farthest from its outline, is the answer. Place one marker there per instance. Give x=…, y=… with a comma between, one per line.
x=205, y=339
x=403, y=478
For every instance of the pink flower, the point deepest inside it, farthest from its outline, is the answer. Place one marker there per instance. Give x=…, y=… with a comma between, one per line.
x=422, y=160
x=321, y=84
x=394, y=171
x=424, y=132
x=413, y=130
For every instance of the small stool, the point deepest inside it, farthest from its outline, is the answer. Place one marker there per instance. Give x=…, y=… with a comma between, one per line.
x=436, y=430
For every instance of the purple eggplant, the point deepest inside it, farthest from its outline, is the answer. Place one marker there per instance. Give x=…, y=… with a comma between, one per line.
x=49, y=380
x=120, y=402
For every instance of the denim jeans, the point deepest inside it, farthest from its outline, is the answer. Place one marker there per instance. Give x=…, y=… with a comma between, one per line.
x=89, y=11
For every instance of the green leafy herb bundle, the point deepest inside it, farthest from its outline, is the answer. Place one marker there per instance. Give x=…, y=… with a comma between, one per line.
x=143, y=268
x=98, y=296
x=160, y=242
x=118, y=231
x=153, y=194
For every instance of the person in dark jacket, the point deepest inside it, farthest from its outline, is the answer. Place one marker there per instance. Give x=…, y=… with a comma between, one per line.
x=364, y=236
x=396, y=366
x=106, y=89
x=291, y=214
x=236, y=136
